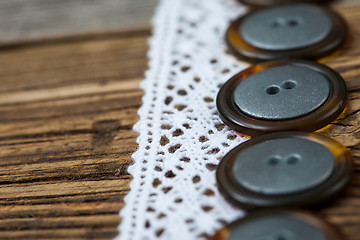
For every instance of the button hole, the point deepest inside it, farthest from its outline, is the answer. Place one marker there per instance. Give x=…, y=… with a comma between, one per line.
x=283, y=235
x=288, y=84
x=293, y=159
x=273, y=160
x=277, y=22
x=271, y=90
x=293, y=23
x=280, y=238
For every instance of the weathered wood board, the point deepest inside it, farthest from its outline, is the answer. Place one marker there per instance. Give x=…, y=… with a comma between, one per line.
x=31, y=20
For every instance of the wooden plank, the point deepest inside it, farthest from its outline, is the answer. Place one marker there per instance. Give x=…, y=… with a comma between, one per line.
x=66, y=114
x=28, y=20
x=60, y=234
x=24, y=21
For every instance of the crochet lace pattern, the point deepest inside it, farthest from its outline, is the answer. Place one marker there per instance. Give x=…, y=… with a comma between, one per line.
x=181, y=137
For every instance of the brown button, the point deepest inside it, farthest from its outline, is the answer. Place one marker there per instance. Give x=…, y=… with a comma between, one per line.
x=288, y=169
x=282, y=96
x=264, y=3
x=278, y=225
x=291, y=30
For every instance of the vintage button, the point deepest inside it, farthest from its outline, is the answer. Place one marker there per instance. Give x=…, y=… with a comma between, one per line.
x=291, y=30
x=286, y=169
x=278, y=225
x=264, y=3
x=285, y=97
x=282, y=96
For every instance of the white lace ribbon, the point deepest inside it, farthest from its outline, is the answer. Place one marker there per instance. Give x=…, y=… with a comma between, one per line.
x=181, y=137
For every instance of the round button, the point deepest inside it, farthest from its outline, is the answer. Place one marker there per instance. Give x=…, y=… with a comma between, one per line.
x=284, y=169
x=278, y=225
x=264, y=3
x=280, y=163
x=282, y=96
x=283, y=92
x=286, y=28
x=291, y=30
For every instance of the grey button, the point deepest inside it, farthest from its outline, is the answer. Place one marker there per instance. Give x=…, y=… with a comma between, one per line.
x=278, y=225
x=283, y=92
x=283, y=166
x=286, y=27
x=276, y=228
x=285, y=169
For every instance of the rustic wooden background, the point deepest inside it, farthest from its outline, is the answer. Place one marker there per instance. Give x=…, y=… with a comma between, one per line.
x=69, y=83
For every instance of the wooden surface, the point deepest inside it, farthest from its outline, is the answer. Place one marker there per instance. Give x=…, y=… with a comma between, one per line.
x=32, y=20
x=67, y=106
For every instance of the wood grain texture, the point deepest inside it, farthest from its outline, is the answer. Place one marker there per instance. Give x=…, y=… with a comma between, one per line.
x=66, y=112
x=29, y=20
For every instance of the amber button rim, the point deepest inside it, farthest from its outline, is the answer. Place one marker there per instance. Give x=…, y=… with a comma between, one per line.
x=243, y=197
x=330, y=231
x=323, y=115
x=334, y=41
